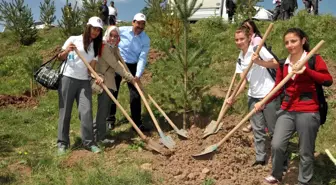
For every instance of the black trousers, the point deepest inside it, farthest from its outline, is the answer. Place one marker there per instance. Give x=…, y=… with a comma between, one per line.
x=312, y=3
x=277, y=13
x=135, y=99
x=112, y=20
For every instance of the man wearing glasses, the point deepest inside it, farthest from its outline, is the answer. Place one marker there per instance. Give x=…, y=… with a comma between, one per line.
x=134, y=46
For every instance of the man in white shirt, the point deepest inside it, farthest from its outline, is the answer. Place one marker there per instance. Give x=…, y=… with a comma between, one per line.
x=113, y=13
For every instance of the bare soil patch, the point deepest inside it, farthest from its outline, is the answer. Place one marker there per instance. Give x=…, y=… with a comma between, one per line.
x=21, y=169
x=17, y=101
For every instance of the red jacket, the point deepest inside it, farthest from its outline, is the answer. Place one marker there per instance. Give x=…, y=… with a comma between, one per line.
x=300, y=93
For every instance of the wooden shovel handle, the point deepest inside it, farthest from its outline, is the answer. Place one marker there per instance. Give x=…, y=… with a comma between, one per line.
x=274, y=90
x=142, y=94
x=122, y=62
x=112, y=97
x=221, y=113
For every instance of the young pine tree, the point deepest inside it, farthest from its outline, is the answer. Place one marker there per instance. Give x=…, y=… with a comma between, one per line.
x=18, y=18
x=91, y=8
x=71, y=23
x=185, y=9
x=47, y=12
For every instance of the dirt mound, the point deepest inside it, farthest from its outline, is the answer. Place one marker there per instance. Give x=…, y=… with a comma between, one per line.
x=21, y=169
x=231, y=164
x=17, y=101
x=77, y=157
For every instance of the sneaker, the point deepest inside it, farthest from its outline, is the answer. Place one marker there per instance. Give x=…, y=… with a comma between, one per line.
x=95, y=149
x=271, y=180
x=107, y=141
x=110, y=125
x=110, y=121
x=247, y=129
x=142, y=128
x=61, y=150
x=262, y=163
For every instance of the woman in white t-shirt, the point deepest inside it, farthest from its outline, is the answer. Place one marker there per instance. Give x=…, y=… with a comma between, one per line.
x=255, y=40
x=260, y=84
x=75, y=84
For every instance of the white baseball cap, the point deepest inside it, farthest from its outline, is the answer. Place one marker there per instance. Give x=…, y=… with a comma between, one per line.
x=95, y=22
x=139, y=17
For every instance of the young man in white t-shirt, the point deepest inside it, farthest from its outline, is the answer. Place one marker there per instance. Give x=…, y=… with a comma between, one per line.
x=113, y=13
x=260, y=84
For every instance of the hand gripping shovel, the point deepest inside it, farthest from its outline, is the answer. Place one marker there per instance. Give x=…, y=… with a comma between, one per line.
x=150, y=143
x=165, y=140
x=180, y=132
x=214, y=147
x=213, y=127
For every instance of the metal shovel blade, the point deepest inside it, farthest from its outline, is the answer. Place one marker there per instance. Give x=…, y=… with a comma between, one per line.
x=207, y=150
x=182, y=133
x=167, y=140
x=210, y=129
x=155, y=146
x=219, y=127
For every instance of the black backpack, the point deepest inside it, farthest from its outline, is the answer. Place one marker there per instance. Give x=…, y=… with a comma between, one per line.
x=272, y=72
x=323, y=104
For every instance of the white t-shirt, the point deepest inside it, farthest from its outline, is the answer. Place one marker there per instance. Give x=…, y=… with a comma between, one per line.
x=76, y=68
x=260, y=81
x=112, y=11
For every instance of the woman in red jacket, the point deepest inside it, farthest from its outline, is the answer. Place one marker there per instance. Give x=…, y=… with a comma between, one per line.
x=299, y=109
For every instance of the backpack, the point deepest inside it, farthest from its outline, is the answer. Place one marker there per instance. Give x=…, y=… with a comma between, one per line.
x=272, y=72
x=323, y=104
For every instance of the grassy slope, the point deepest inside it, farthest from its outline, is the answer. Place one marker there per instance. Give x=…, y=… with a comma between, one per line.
x=34, y=130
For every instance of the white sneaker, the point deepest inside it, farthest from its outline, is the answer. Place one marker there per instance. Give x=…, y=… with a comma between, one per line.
x=107, y=141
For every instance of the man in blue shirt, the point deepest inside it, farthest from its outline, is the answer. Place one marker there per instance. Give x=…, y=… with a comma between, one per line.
x=134, y=46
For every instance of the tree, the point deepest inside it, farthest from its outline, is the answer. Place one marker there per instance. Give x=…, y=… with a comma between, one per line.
x=245, y=9
x=185, y=9
x=47, y=12
x=19, y=19
x=91, y=8
x=71, y=23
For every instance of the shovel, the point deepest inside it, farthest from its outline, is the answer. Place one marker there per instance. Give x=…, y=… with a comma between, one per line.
x=150, y=143
x=165, y=140
x=212, y=127
x=180, y=132
x=213, y=124
x=301, y=63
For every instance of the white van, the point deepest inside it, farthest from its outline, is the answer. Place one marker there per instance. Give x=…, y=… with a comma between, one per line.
x=217, y=8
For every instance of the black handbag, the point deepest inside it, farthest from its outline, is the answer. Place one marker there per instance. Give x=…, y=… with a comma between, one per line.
x=47, y=76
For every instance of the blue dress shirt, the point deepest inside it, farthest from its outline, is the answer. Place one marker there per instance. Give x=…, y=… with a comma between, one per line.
x=134, y=48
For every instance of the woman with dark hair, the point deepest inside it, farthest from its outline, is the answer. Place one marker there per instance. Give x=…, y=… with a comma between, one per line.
x=254, y=31
x=299, y=108
x=255, y=40
x=75, y=84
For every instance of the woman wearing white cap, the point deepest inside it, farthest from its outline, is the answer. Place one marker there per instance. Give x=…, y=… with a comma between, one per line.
x=107, y=66
x=75, y=84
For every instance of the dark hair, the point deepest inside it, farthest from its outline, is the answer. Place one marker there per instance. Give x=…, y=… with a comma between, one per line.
x=253, y=25
x=300, y=33
x=243, y=29
x=96, y=42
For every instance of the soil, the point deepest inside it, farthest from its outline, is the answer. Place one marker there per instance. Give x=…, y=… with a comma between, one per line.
x=77, y=157
x=230, y=164
x=21, y=169
x=17, y=101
